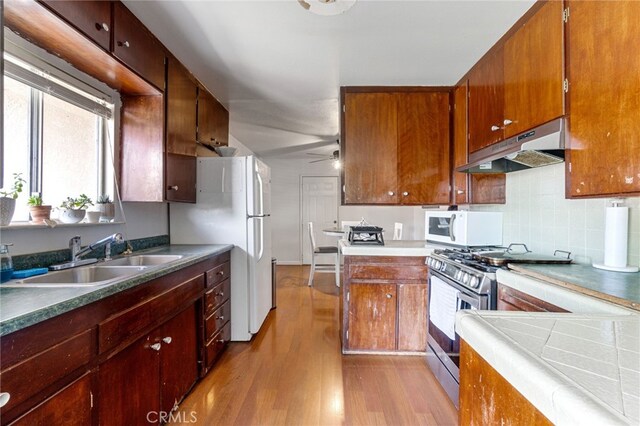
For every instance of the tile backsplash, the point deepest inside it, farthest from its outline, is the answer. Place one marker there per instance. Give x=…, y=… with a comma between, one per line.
x=537, y=214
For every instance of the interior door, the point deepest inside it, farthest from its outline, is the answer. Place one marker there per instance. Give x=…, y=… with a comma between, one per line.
x=320, y=206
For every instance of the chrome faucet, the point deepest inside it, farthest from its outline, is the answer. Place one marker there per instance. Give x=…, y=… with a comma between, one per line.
x=77, y=251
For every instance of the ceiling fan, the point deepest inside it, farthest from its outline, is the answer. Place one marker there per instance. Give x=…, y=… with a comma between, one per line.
x=334, y=156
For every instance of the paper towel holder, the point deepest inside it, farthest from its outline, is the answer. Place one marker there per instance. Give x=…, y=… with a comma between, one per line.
x=610, y=227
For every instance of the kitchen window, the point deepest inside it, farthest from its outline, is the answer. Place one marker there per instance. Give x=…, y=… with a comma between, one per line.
x=58, y=136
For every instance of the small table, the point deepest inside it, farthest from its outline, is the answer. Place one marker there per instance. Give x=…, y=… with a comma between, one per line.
x=333, y=232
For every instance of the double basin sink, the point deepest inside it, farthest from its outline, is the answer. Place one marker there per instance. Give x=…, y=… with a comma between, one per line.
x=104, y=273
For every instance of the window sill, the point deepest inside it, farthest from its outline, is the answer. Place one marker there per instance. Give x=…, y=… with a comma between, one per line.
x=29, y=225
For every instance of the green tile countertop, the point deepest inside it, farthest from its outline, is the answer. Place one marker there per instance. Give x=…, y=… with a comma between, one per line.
x=22, y=307
x=616, y=287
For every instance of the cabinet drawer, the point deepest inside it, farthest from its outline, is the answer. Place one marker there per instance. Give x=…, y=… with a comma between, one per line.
x=217, y=319
x=32, y=375
x=216, y=345
x=388, y=272
x=217, y=295
x=135, y=321
x=218, y=274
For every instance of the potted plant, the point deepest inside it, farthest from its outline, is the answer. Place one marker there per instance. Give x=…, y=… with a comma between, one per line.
x=106, y=207
x=8, y=199
x=74, y=209
x=37, y=210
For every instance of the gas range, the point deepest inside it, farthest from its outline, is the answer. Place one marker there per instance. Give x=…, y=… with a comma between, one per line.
x=459, y=265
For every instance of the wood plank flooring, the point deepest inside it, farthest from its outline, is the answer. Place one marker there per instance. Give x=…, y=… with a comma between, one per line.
x=293, y=373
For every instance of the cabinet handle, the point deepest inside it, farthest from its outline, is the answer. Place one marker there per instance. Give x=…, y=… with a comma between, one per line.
x=507, y=121
x=391, y=193
x=220, y=294
x=220, y=272
x=405, y=193
x=389, y=295
x=495, y=128
x=4, y=398
x=220, y=340
x=173, y=188
x=102, y=26
x=459, y=192
x=124, y=44
x=221, y=317
x=156, y=346
x=167, y=340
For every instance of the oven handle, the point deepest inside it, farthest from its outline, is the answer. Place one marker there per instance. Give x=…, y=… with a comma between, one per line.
x=475, y=303
x=451, y=234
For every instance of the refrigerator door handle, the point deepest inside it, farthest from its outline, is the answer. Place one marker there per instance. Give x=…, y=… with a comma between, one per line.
x=261, y=251
x=261, y=195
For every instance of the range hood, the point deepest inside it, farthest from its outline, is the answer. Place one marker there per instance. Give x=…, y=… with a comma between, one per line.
x=538, y=147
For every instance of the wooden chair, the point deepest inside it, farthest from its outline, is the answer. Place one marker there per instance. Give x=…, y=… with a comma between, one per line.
x=315, y=250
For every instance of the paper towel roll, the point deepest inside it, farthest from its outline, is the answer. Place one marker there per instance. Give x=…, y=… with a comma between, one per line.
x=616, y=236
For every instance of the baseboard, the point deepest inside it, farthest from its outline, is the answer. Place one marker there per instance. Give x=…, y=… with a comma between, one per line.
x=288, y=262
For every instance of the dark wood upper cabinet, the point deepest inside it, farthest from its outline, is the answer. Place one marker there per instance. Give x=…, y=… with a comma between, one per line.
x=182, y=95
x=369, y=148
x=180, y=178
x=134, y=45
x=534, y=71
x=460, y=187
x=92, y=18
x=213, y=120
x=603, y=98
x=486, y=101
x=423, y=143
x=396, y=146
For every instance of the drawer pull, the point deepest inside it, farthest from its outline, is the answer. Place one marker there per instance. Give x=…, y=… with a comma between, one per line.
x=220, y=340
x=221, y=317
x=4, y=398
x=167, y=340
x=173, y=187
x=221, y=294
x=124, y=44
x=156, y=346
x=507, y=121
x=459, y=192
x=495, y=128
x=102, y=26
x=220, y=273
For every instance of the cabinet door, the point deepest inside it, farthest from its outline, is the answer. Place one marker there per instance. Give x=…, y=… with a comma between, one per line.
x=533, y=71
x=181, y=178
x=370, y=148
x=181, y=110
x=510, y=299
x=372, y=316
x=70, y=406
x=129, y=385
x=486, y=101
x=134, y=45
x=412, y=317
x=460, y=180
x=178, y=357
x=423, y=148
x=213, y=120
x=603, y=98
x=91, y=17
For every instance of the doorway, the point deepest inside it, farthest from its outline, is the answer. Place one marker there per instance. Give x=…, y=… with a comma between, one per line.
x=320, y=206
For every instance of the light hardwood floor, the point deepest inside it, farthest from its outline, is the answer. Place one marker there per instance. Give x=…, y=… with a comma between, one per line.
x=293, y=373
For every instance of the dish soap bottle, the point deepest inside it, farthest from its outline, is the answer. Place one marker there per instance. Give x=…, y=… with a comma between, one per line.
x=6, y=265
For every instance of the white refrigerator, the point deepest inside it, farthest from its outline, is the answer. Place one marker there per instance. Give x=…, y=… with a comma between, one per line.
x=233, y=206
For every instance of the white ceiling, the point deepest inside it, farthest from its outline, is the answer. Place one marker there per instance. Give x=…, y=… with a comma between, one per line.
x=279, y=68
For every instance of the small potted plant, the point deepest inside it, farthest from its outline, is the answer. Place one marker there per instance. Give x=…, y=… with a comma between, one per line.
x=37, y=210
x=106, y=207
x=74, y=209
x=8, y=199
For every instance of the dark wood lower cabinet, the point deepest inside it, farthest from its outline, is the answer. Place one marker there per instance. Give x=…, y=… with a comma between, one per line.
x=510, y=299
x=487, y=398
x=384, y=304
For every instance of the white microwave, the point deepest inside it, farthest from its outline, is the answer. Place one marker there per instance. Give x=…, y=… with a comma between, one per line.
x=464, y=228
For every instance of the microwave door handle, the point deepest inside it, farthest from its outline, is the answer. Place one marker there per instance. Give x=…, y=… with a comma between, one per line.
x=453, y=221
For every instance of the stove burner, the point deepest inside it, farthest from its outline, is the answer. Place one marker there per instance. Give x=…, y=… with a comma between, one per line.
x=464, y=256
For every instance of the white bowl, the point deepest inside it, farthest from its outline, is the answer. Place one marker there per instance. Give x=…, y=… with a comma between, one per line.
x=225, y=151
x=71, y=216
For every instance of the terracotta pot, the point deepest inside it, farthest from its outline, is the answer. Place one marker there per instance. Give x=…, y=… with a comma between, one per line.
x=39, y=213
x=7, y=208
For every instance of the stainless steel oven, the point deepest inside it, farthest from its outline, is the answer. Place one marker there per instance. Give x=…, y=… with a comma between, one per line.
x=473, y=289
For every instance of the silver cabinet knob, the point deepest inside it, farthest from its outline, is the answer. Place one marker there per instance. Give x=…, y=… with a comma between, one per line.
x=391, y=193
x=389, y=296
x=507, y=121
x=102, y=26
x=221, y=273
x=220, y=340
x=221, y=317
x=167, y=340
x=221, y=294
x=459, y=192
x=156, y=346
x=405, y=193
x=124, y=44
x=495, y=128
x=173, y=188
x=4, y=398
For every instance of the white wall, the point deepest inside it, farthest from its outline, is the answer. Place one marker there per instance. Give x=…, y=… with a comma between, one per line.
x=537, y=214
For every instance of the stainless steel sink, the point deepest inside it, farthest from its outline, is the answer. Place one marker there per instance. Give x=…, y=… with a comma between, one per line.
x=79, y=277
x=143, y=260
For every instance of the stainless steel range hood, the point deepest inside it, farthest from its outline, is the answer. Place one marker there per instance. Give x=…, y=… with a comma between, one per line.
x=538, y=147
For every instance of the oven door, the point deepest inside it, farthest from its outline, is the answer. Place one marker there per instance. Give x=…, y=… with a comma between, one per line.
x=443, y=353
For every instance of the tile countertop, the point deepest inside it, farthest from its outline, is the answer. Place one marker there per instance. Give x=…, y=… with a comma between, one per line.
x=22, y=307
x=390, y=248
x=617, y=287
x=574, y=368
